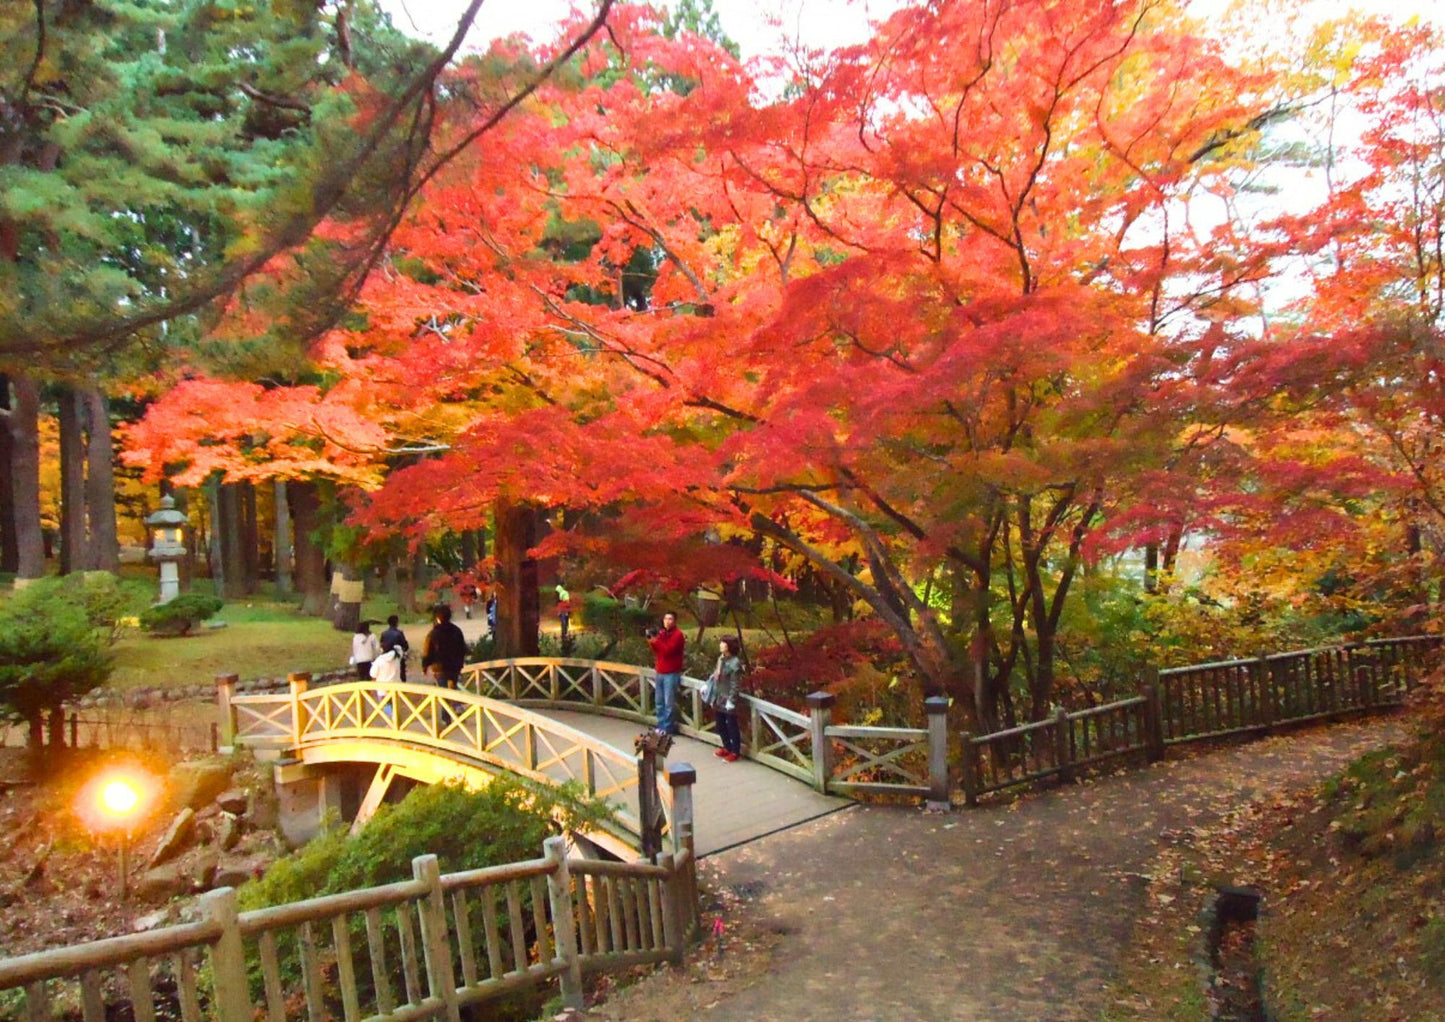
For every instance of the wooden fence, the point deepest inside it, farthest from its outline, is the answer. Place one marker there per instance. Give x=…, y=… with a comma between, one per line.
x=832, y=757
x=419, y=949
x=1186, y=704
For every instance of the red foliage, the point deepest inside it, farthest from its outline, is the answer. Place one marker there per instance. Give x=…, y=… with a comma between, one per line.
x=824, y=661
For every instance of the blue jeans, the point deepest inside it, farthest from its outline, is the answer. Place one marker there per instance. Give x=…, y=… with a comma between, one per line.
x=667, y=686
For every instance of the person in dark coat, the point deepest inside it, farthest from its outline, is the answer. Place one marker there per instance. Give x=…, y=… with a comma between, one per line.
x=394, y=638
x=722, y=694
x=446, y=647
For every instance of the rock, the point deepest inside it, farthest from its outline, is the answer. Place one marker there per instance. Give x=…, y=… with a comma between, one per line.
x=203, y=868
x=197, y=782
x=162, y=883
x=151, y=920
x=229, y=832
x=233, y=801
x=177, y=837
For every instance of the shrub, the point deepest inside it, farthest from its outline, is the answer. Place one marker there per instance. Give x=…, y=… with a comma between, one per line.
x=180, y=615
x=49, y=653
x=829, y=659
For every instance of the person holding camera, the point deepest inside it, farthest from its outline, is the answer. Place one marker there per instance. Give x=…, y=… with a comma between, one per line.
x=667, y=645
x=722, y=695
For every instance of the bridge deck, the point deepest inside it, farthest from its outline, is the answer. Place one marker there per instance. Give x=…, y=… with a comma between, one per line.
x=733, y=802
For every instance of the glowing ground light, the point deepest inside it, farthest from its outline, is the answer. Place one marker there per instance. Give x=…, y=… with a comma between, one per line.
x=119, y=798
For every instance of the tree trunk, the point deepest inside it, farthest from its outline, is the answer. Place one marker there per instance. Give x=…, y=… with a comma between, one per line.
x=518, y=612
x=282, y=542
x=24, y=422
x=72, y=482
x=469, y=550
x=9, y=548
x=250, y=536
x=305, y=503
x=102, y=549
x=233, y=541
x=413, y=581
x=214, y=556
x=347, y=614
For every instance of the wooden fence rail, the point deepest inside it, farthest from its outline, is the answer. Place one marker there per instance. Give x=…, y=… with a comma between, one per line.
x=1186, y=704
x=384, y=953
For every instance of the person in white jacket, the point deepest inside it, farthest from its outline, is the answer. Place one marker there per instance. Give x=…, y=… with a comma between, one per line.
x=364, y=649
x=386, y=670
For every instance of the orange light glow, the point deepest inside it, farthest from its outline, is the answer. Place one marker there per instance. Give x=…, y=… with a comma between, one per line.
x=119, y=797
x=116, y=799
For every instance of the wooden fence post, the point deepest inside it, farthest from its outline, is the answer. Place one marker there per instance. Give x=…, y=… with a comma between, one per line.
x=225, y=692
x=1063, y=746
x=681, y=777
x=298, y=683
x=820, y=715
x=1270, y=708
x=936, y=707
x=1153, y=718
x=228, y=958
x=436, y=945
x=674, y=895
x=564, y=926
x=968, y=769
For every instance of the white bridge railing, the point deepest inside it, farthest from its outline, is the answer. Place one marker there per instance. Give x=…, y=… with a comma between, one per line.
x=459, y=724
x=423, y=948
x=840, y=758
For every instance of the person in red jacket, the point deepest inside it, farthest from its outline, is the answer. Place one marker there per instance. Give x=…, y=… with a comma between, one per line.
x=667, y=645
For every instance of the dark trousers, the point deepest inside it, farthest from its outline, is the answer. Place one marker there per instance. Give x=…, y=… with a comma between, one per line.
x=363, y=670
x=729, y=731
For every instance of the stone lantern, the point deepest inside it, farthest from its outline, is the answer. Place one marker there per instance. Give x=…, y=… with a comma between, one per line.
x=168, y=533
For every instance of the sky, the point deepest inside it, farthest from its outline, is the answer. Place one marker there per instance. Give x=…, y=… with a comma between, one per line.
x=756, y=25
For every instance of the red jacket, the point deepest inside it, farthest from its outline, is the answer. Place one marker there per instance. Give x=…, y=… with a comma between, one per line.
x=667, y=650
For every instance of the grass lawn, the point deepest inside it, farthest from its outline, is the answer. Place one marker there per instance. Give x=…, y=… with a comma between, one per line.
x=259, y=640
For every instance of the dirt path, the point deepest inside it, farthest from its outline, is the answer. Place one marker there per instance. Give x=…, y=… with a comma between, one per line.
x=1010, y=912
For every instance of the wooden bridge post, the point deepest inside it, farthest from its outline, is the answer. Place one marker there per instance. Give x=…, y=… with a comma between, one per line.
x=937, y=709
x=298, y=683
x=436, y=944
x=564, y=925
x=820, y=715
x=228, y=958
x=681, y=777
x=225, y=692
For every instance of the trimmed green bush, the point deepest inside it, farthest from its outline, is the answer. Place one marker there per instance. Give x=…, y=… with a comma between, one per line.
x=180, y=615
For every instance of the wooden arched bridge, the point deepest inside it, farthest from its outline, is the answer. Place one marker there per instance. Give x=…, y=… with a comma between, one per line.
x=551, y=720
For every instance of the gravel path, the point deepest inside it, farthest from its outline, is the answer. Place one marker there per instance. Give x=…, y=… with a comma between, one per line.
x=1018, y=911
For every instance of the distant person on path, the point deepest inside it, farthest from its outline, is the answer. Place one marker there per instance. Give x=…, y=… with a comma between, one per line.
x=564, y=609
x=722, y=695
x=444, y=653
x=469, y=597
x=492, y=614
x=394, y=638
x=364, y=650
x=667, y=645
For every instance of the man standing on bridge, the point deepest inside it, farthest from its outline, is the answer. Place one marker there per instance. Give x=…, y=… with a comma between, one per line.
x=667, y=645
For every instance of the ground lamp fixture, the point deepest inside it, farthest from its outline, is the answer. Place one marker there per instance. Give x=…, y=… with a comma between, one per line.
x=113, y=803
x=168, y=531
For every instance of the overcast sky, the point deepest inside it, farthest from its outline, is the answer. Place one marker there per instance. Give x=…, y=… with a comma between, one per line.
x=756, y=24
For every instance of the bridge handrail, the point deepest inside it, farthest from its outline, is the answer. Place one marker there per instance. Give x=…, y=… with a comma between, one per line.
x=583, y=916
x=480, y=729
